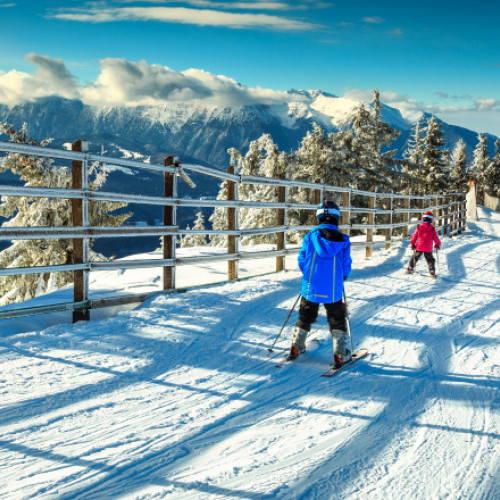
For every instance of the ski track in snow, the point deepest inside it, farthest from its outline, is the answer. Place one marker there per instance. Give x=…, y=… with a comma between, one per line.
x=180, y=399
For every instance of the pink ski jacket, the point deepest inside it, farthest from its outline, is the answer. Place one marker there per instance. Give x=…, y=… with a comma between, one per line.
x=423, y=237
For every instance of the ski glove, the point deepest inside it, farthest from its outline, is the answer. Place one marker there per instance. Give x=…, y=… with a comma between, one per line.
x=413, y=247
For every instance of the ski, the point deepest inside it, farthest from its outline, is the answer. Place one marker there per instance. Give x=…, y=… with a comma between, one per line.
x=429, y=276
x=417, y=273
x=361, y=353
x=287, y=359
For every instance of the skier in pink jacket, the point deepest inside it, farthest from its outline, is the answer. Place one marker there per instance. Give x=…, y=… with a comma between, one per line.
x=421, y=243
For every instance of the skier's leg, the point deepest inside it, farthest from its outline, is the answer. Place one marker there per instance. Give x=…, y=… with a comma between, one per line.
x=413, y=261
x=336, y=319
x=431, y=262
x=335, y=314
x=308, y=313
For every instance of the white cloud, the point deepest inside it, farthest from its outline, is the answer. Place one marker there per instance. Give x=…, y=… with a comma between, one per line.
x=241, y=5
x=183, y=15
x=126, y=83
x=50, y=78
x=135, y=83
x=395, y=32
x=487, y=104
x=373, y=20
x=250, y=5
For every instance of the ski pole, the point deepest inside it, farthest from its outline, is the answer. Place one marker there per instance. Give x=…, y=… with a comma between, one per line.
x=270, y=349
x=348, y=323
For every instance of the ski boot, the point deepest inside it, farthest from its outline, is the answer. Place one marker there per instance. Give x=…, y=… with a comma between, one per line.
x=409, y=270
x=341, y=354
x=298, y=342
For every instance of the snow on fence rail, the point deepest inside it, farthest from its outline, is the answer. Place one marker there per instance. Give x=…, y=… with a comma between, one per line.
x=450, y=220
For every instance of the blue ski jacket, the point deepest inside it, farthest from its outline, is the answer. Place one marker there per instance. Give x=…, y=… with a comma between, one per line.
x=324, y=264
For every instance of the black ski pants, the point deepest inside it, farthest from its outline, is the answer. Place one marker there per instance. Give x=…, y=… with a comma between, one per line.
x=308, y=314
x=431, y=261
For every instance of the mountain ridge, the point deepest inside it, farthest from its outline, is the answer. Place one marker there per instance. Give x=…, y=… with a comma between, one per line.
x=202, y=133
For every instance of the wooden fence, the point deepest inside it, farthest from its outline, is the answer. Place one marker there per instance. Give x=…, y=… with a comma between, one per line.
x=388, y=214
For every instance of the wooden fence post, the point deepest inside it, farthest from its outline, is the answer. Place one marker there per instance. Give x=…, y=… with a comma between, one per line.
x=406, y=215
x=439, y=213
x=463, y=207
x=389, y=205
x=282, y=216
x=453, y=215
x=346, y=215
x=80, y=217
x=169, y=219
x=372, y=201
x=232, y=225
x=447, y=215
x=318, y=198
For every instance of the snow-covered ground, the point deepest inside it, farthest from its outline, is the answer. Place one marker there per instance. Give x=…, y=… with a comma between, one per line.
x=180, y=399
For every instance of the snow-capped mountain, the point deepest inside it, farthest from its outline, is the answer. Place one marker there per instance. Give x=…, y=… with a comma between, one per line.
x=198, y=133
x=194, y=133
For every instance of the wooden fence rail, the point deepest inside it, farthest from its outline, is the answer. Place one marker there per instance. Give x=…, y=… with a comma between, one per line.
x=388, y=214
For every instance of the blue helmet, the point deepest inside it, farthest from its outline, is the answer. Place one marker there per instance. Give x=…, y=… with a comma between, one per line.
x=328, y=212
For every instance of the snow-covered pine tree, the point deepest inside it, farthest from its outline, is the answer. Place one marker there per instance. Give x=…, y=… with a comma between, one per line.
x=361, y=158
x=314, y=161
x=30, y=212
x=195, y=239
x=218, y=219
x=264, y=160
x=413, y=155
x=480, y=162
x=382, y=135
x=459, y=166
x=369, y=166
x=273, y=165
x=434, y=158
x=492, y=174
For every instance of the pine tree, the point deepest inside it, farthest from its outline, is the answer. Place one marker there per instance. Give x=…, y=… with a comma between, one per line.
x=481, y=160
x=362, y=157
x=264, y=160
x=383, y=135
x=31, y=212
x=492, y=174
x=434, y=158
x=368, y=164
x=218, y=219
x=459, y=163
x=413, y=165
x=315, y=161
x=195, y=239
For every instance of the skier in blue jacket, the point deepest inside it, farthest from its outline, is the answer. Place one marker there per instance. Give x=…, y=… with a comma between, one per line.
x=325, y=261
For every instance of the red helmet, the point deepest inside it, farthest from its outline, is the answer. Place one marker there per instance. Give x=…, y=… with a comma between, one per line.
x=428, y=215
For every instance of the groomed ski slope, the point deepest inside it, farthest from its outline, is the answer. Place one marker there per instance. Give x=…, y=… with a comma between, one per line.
x=179, y=398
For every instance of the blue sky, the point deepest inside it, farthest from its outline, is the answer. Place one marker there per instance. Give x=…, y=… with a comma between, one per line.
x=441, y=57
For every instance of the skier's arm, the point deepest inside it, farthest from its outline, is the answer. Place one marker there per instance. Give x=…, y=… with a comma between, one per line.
x=346, y=259
x=302, y=258
x=414, y=238
x=436, y=239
